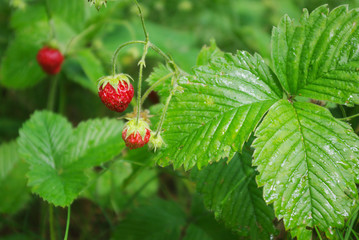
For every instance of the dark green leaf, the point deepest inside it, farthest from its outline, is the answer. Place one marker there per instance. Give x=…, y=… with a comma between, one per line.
x=231, y=192
x=159, y=219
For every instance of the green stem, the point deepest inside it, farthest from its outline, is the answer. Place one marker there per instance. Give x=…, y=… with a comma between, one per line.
x=68, y=222
x=344, y=114
x=114, y=58
x=51, y=222
x=139, y=84
x=163, y=116
x=52, y=93
x=153, y=86
x=350, y=117
x=318, y=233
x=142, y=20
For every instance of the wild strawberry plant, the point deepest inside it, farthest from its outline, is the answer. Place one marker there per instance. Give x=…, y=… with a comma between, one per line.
x=259, y=148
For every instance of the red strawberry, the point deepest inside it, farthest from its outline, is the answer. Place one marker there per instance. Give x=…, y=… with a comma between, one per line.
x=50, y=60
x=116, y=92
x=136, y=135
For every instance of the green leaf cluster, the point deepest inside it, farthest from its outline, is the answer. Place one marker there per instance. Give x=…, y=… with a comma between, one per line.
x=307, y=161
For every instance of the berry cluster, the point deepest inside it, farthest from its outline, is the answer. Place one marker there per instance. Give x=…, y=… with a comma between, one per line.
x=116, y=92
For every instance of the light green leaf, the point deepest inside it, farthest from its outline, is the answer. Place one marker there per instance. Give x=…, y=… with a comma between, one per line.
x=231, y=192
x=43, y=140
x=220, y=107
x=94, y=142
x=58, y=156
x=319, y=57
x=308, y=164
x=12, y=179
x=158, y=219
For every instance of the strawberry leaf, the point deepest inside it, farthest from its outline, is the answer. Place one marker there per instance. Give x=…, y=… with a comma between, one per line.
x=231, y=192
x=219, y=108
x=58, y=156
x=318, y=57
x=308, y=164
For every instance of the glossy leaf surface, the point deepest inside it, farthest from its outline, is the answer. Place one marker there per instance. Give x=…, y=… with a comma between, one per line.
x=219, y=108
x=308, y=164
x=231, y=192
x=319, y=57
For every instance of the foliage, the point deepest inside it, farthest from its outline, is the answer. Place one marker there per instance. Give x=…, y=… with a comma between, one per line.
x=260, y=143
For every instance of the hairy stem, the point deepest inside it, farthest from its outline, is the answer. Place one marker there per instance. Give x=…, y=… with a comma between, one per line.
x=153, y=86
x=142, y=20
x=114, y=58
x=139, y=84
x=349, y=117
x=163, y=116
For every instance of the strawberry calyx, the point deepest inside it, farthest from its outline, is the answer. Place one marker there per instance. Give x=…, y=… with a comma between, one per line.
x=138, y=128
x=114, y=81
x=156, y=142
x=98, y=3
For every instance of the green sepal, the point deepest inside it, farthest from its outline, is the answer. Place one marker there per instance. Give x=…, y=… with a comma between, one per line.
x=156, y=142
x=98, y=3
x=139, y=127
x=113, y=81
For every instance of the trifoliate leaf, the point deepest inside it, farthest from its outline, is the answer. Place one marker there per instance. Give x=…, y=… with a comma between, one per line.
x=58, y=156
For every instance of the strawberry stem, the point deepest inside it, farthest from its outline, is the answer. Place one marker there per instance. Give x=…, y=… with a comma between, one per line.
x=163, y=116
x=68, y=222
x=153, y=86
x=142, y=64
x=117, y=51
x=349, y=117
x=142, y=21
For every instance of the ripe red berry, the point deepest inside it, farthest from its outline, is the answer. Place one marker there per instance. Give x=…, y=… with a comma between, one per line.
x=116, y=92
x=136, y=135
x=50, y=60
